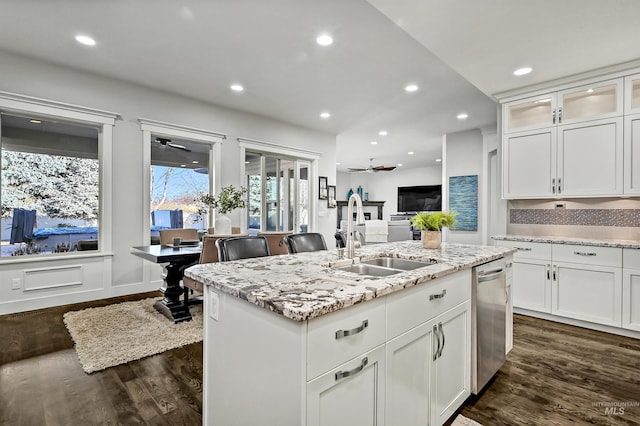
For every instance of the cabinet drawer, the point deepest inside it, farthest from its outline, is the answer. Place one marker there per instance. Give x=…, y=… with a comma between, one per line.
x=337, y=337
x=590, y=255
x=528, y=250
x=411, y=307
x=631, y=258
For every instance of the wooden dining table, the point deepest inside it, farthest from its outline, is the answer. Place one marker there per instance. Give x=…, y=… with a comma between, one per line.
x=178, y=258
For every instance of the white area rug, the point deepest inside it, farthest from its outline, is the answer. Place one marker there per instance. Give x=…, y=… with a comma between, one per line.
x=464, y=421
x=124, y=332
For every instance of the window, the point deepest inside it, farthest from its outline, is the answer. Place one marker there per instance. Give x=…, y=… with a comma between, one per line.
x=50, y=186
x=179, y=173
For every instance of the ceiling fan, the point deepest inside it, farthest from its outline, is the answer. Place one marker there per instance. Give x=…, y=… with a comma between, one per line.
x=372, y=169
x=167, y=142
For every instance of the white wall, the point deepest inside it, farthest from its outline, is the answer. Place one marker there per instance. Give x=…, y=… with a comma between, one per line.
x=464, y=157
x=383, y=186
x=43, y=80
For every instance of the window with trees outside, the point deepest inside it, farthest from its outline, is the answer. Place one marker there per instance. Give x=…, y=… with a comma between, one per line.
x=179, y=172
x=50, y=191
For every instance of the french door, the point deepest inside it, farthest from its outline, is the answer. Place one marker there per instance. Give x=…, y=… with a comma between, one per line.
x=278, y=196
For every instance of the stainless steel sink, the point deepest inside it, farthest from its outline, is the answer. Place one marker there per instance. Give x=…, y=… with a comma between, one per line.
x=383, y=266
x=377, y=271
x=396, y=263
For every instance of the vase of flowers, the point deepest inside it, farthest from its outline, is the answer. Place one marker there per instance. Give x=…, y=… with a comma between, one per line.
x=430, y=225
x=225, y=202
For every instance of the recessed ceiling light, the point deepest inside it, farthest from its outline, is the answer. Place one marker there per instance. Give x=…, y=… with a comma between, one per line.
x=86, y=40
x=35, y=121
x=183, y=165
x=522, y=71
x=410, y=152
x=462, y=116
x=195, y=161
x=399, y=164
x=324, y=40
x=383, y=133
x=590, y=91
x=237, y=88
x=247, y=162
x=438, y=160
x=411, y=88
x=325, y=115
x=374, y=143
x=337, y=164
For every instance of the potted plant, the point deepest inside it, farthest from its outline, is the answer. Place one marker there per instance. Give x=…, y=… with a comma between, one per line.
x=226, y=201
x=431, y=225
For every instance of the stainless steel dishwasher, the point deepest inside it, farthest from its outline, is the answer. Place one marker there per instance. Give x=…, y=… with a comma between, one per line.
x=488, y=318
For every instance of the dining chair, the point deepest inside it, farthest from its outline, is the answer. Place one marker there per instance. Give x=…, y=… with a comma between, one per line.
x=276, y=242
x=167, y=235
x=306, y=241
x=235, y=248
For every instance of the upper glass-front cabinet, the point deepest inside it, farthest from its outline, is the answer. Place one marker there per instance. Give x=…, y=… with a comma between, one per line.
x=632, y=88
x=584, y=103
x=590, y=102
x=530, y=113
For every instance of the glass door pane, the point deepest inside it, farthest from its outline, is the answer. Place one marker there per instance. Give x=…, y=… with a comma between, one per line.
x=272, y=194
x=303, y=196
x=253, y=172
x=590, y=102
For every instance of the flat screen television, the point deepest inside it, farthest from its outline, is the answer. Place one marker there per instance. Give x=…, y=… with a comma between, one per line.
x=425, y=198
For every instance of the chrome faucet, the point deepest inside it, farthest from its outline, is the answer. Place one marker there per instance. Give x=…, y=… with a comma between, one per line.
x=359, y=221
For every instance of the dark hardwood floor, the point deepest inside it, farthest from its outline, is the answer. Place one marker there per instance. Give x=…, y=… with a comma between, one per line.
x=555, y=375
x=558, y=374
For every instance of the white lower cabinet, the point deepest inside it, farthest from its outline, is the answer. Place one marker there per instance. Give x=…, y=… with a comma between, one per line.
x=587, y=292
x=532, y=285
x=428, y=370
x=352, y=394
x=508, y=341
x=631, y=289
x=573, y=281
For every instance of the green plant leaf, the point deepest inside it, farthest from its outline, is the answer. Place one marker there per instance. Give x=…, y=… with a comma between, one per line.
x=433, y=221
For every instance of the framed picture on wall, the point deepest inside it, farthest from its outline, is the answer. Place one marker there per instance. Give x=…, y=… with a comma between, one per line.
x=331, y=196
x=322, y=194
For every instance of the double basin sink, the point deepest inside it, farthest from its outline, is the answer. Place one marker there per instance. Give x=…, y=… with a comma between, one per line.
x=383, y=266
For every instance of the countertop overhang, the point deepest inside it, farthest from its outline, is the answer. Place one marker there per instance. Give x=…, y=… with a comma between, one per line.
x=307, y=285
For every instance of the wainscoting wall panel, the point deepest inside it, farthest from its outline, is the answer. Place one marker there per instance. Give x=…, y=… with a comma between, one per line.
x=53, y=277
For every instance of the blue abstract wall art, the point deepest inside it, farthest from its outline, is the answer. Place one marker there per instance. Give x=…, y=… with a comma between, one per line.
x=463, y=198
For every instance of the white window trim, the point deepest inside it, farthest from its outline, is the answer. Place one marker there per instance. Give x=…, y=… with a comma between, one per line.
x=171, y=130
x=13, y=103
x=313, y=157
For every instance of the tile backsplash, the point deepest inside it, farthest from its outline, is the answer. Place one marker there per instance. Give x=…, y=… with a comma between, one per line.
x=590, y=218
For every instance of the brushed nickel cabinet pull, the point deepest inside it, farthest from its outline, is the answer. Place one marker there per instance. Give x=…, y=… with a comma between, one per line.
x=553, y=185
x=438, y=296
x=342, y=374
x=437, y=338
x=522, y=248
x=553, y=115
x=554, y=274
x=548, y=271
x=559, y=185
x=442, y=334
x=559, y=115
x=344, y=333
x=585, y=253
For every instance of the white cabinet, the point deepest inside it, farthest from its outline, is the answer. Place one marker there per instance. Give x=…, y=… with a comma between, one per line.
x=573, y=281
x=566, y=143
x=429, y=359
x=351, y=394
x=428, y=375
x=632, y=154
x=531, y=288
x=632, y=94
x=631, y=289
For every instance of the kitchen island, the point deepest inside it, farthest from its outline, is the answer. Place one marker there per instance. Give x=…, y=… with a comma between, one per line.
x=294, y=340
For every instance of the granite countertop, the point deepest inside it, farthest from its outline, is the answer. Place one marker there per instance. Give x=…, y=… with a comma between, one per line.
x=305, y=285
x=569, y=240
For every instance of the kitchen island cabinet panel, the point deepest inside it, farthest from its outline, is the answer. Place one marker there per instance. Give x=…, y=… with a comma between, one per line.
x=354, y=399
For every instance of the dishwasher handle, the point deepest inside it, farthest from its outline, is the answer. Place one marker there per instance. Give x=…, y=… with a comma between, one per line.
x=490, y=275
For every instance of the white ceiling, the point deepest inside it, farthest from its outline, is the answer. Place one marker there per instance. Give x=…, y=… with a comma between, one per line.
x=460, y=52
